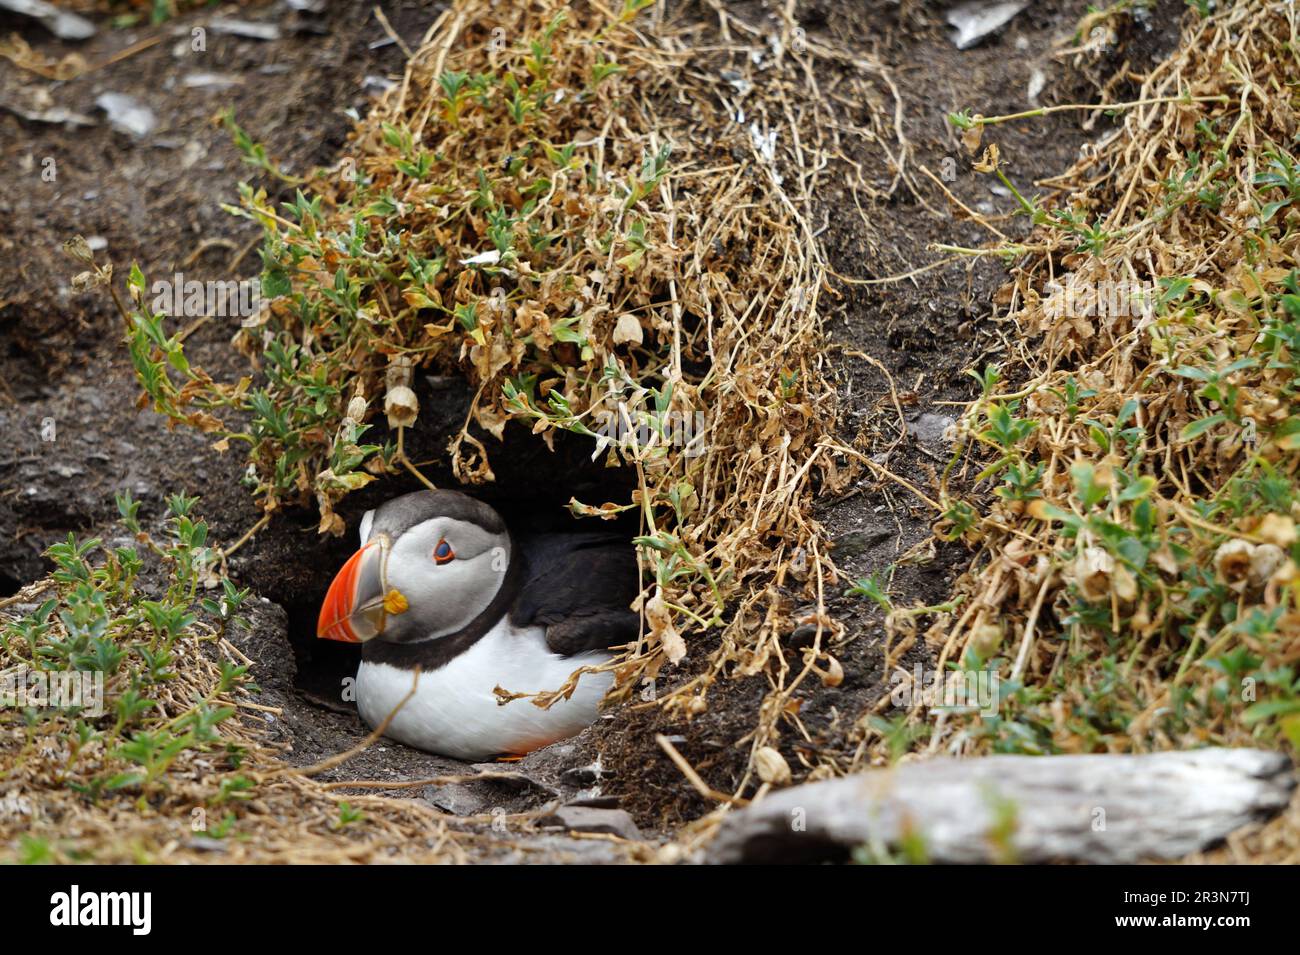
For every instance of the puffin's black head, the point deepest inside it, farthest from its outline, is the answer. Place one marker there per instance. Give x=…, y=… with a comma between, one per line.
x=429, y=563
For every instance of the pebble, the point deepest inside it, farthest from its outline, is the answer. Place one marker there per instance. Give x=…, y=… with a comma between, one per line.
x=930, y=428
x=589, y=819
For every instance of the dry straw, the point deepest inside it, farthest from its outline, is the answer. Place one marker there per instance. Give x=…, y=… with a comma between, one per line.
x=1135, y=581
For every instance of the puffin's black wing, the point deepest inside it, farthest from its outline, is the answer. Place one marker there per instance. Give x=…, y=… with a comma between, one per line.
x=579, y=587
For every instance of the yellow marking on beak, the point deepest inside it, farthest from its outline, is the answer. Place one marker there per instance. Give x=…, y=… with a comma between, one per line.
x=394, y=602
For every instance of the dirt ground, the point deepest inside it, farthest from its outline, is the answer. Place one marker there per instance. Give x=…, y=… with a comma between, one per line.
x=156, y=200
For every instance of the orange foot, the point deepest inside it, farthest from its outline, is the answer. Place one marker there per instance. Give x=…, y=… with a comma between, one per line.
x=510, y=757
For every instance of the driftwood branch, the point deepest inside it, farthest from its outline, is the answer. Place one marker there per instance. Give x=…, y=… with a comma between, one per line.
x=1093, y=808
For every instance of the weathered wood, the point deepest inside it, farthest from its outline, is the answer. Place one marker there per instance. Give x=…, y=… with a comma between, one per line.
x=1092, y=808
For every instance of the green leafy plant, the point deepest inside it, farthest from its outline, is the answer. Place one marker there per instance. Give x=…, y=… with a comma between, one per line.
x=98, y=623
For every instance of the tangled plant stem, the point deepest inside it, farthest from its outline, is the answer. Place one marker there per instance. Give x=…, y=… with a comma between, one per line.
x=1143, y=536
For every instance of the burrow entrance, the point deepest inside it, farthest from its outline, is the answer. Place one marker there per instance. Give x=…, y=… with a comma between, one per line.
x=532, y=489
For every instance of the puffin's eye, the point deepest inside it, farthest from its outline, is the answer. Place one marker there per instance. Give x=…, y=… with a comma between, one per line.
x=443, y=552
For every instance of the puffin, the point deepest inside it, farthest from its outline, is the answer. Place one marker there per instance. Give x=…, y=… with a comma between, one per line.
x=442, y=585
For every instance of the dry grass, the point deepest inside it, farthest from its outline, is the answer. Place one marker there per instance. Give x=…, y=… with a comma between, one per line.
x=1135, y=581
x=76, y=787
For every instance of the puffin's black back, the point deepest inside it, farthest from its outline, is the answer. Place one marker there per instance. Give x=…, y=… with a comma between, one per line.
x=578, y=586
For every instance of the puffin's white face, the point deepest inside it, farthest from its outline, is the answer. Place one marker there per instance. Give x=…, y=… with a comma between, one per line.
x=429, y=581
x=448, y=571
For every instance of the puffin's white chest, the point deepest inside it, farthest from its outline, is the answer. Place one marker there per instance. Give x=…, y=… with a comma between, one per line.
x=455, y=712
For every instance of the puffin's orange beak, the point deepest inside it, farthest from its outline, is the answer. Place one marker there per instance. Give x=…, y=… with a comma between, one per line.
x=357, y=604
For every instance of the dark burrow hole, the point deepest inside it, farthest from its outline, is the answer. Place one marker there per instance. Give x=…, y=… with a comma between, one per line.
x=9, y=584
x=532, y=489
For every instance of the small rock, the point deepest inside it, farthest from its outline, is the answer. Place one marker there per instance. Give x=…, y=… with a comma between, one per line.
x=192, y=152
x=245, y=28
x=594, y=802
x=978, y=20
x=857, y=543
x=1037, y=80
x=127, y=114
x=587, y=819
x=55, y=115
x=210, y=81
x=63, y=24
x=931, y=428
x=458, y=799
x=206, y=844
x=374, y=85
